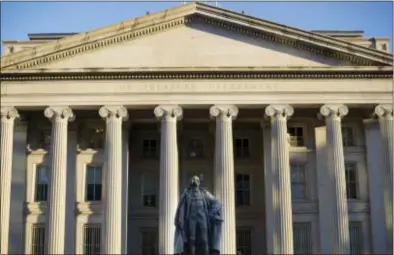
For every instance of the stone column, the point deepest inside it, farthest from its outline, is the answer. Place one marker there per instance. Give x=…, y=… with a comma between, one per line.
x=385, y=114
x=224, y=173
x=8, y=116
x=112, y=224
x=336, y=178
x=280, y=175
x=375, y=184
x=56, y=212
x=168, y=195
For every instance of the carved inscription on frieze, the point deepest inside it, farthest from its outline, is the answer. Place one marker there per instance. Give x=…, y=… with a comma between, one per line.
x=194, y=87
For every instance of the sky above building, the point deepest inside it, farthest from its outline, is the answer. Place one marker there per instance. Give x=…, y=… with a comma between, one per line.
x=20, y=18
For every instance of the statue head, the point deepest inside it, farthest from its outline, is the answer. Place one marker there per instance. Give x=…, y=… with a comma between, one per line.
x=195, y=181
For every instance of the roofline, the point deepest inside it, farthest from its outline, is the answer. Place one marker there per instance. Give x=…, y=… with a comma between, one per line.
x=182, y=11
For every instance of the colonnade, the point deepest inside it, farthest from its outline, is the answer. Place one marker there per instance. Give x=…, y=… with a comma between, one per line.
x=168, y=115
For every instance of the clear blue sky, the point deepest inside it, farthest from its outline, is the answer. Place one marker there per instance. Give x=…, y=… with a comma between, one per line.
x=20, y=18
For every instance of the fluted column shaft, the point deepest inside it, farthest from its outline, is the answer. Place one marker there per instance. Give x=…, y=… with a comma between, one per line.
x=112, y=224
x=169, y=174
x=281, y=184
x=8, y=116
x=336, y=172
x=385, y=114
x=224, y=173
x=55, y=231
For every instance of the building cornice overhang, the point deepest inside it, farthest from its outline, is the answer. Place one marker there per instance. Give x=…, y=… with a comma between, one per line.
x=184, y=15
x=185, y=73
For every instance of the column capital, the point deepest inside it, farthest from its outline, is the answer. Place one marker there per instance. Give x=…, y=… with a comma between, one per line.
x=59, y=112
x=229, y=111
x=168, y=111
x=113, y=111
x=334, y=111
x=9, y=113
x=275, y=111
x=384, y=111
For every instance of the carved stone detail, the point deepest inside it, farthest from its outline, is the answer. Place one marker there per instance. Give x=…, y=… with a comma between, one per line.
x=168, y=111
x=224, y=111
x=384, y=111
x=108, y=112
x=334, y=111
x=59, y=113
x=8, y=113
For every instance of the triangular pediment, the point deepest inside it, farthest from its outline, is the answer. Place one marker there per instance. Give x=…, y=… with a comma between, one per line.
x=195, y=35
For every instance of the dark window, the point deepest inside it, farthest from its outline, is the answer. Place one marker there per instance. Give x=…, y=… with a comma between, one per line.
x=150, y=148
x=296, y=136
x=244, y=241
x=241, y=147
x=347, y=136
x=242, y=189
x=97, y=137
x=91, y=239
x=37, y=238
x=351, y=180
x=302, y=241
x=44, y=139
x=384, y=47
x=93, y=183
x=149, y=241
x=42, y=181
x=356, y=237
x=149, y=190
x=298, y=185
x=195, y=149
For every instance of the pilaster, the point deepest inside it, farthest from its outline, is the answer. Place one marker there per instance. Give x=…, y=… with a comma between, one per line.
x=59, y=116
x=224, y=173
x=169, y=175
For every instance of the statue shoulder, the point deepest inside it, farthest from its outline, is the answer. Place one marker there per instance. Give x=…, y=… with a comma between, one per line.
x=208, y=194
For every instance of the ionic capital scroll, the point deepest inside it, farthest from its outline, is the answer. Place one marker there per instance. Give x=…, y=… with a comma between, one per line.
x=9, y=113
x=226, y=111
x=337, y=111
x=59, y=113
x=168, y=111
x=384, y=111
x=116, y=112
x=279, y=111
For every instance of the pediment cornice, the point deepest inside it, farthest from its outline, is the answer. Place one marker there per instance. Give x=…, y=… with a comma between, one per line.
x=207, y=73
x=190, y=13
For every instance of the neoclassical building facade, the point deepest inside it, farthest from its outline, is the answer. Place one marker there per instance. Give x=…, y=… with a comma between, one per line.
x=291, y=130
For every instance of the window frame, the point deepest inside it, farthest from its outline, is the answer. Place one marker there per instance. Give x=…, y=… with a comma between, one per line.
x=31, y=237
x=353, y=133
x=303, y=126
x=310, y=235
x=156, y=192
x=305, y=169
x=152, y=230
x=85, y=187
x=236, y=190
x=361, y=233
x=188, y=149
x=35, y=186
x=356, y=180
x=243, y=156
x=157, y=151
x=237, y=245
x=83, y=244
